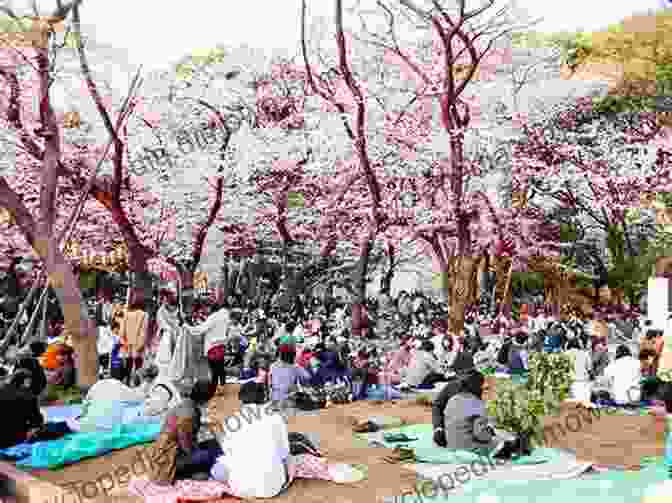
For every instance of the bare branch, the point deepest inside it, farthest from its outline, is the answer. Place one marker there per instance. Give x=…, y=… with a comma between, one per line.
x=311, y=79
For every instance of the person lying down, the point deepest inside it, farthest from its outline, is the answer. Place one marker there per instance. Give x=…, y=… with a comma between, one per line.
x=109, y=402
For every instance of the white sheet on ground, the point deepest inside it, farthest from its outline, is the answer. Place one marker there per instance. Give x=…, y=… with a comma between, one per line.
x=564, y=466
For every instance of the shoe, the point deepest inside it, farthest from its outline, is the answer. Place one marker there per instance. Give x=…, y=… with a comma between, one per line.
x=510, y=449
x=400, y=455
x=398, y=437
x=366, y=427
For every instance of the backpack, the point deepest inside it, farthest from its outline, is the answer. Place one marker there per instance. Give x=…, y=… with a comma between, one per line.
x=300, y=444
x=310, y=398
x=252, y=392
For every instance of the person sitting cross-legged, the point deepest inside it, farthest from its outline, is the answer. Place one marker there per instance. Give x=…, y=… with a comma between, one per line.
x=623, y=377
x=177, y=444
x=425, y=369
x=463, y=423
x=260, y=460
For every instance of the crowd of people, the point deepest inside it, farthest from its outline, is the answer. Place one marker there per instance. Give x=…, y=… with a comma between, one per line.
x=310, y=358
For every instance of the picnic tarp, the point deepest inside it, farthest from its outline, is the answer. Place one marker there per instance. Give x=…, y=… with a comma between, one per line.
x=77, y=446
x=613, y=486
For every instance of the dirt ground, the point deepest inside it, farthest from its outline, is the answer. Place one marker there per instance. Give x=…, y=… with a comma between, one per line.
x=611, y=440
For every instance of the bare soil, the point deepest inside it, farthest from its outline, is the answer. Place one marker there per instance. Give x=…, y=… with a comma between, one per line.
x=611, y=440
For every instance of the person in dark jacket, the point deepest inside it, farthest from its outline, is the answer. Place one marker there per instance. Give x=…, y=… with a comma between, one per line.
x=330, y=369
x=38, y=377
x=25, y=418
x=461, y=422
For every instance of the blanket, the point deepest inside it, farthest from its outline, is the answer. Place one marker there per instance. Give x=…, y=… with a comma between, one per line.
x=301, y=466
x=609, y=487
x=78, y=446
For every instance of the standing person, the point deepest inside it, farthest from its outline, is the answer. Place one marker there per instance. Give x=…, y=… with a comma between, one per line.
x=133, y=335
x=214, y=347
x=118, y=369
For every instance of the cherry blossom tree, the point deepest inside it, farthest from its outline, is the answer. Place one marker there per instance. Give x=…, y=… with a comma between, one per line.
x=451, y=214
x=596, y=168
x=39, y=133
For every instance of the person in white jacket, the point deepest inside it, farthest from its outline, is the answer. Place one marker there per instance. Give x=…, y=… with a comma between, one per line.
x=624, y=377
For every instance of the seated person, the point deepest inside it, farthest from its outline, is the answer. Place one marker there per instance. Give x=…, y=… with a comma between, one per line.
x=600, y=357
x=463, y=361
x=148, y=374
x=463, y=423
x=25, y=418
x=331, y=368
x=32, y=365
x=396, y=367
x=362, y=374
x=255, y=357
x=623, y=377
x=285, y=376
x=307, y=354
x=517, y=360
x=25, y=423
x=59, y=367
x=650, y=383
x=647, y=359
x=425, y=369
x=256, y=458
x=177, y=444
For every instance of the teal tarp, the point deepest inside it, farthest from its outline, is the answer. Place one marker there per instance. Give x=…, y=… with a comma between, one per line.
x=611, y=486
x=78, y=446
x=427, y=452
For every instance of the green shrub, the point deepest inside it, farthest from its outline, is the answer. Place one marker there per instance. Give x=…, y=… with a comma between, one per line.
x=520, y=408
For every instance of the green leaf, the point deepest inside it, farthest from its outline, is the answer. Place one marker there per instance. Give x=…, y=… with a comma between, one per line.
x=295, y=200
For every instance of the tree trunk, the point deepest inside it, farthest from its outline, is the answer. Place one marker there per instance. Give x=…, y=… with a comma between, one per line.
x=359, y=281
x=293, y=284
x=386, y=280
x=140, y=281
x=188, y=292
x=223, y=285
x=461, y=288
